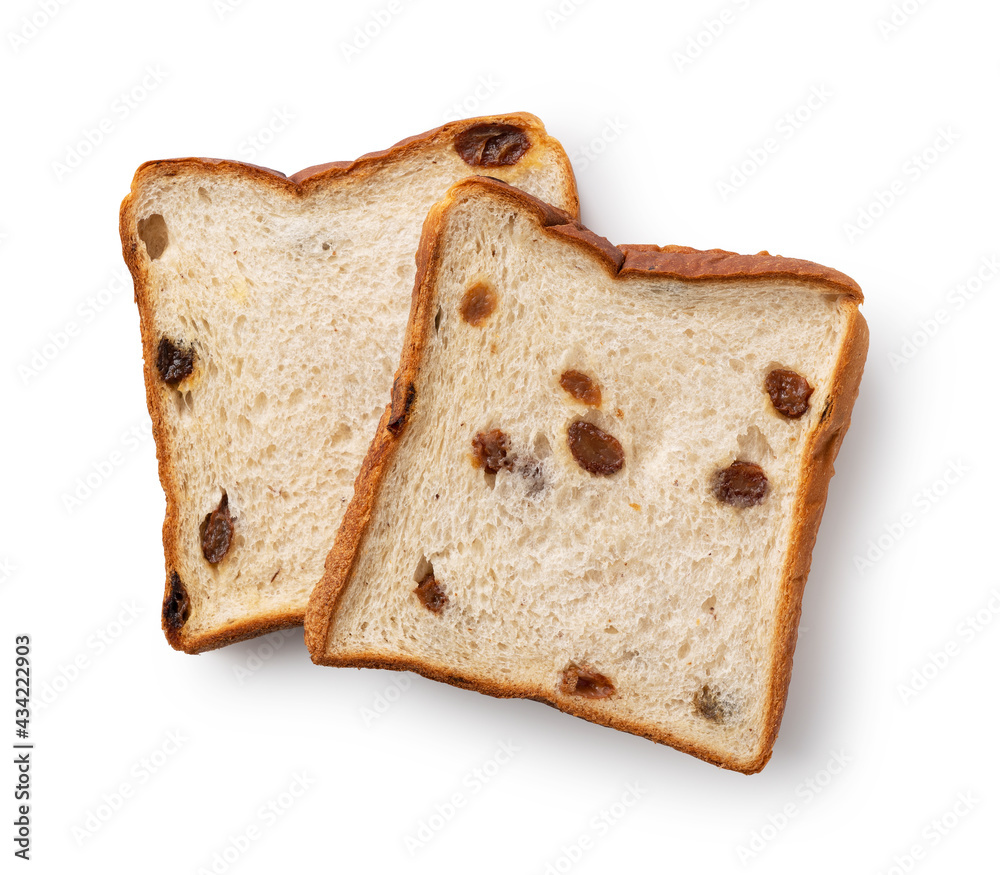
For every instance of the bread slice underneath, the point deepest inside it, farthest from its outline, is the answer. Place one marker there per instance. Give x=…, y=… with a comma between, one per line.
x=637, y=597
x=272, y=311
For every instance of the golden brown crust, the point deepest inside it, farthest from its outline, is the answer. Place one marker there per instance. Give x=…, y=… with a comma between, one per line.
x=670, y=261
x=685, y=263
x=575, y=706
x=241, y=630
x=612, y=256
x=824, y=444
x=677, y=262
x=296, y=185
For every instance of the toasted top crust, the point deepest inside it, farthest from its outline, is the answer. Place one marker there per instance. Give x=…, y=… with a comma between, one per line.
x=303, y=181
x=679, y=262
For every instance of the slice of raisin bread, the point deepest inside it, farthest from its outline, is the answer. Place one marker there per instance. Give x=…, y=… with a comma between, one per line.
x=272, y=311
x=601, y=475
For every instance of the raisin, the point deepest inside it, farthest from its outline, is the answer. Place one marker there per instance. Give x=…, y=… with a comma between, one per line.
x=789, y=392
x=217, y=532
x=176, y=606
x=578, y=680
x=173, y=362
x=491, y=449
x=431, y=594
x=581, y=387
x=742, y=484
x=595, y=450
x=478, y=304
x=492, y=145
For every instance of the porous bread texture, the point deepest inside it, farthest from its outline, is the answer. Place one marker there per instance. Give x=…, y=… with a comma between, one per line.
x=294, y=299
x=643, y=576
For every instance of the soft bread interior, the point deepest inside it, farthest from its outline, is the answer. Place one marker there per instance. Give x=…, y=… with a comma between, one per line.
x=643, y=575
x=294, y=304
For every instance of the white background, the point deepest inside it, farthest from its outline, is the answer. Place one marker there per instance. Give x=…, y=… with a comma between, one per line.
x=652, y=132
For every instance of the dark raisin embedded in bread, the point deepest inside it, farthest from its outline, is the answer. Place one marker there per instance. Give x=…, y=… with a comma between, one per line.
x=742, y=484
x=431, y=594
x=491, y=451
x=175, y=363
x=492, y=145
x=176, y=606
x=594, y=449
x=789, y=392
x=217, y=532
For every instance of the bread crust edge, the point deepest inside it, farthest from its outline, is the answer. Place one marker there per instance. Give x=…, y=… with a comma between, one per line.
x=810, y=502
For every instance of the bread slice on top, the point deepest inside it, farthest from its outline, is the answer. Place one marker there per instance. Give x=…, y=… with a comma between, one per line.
x=272, y=310
x=600, y=477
